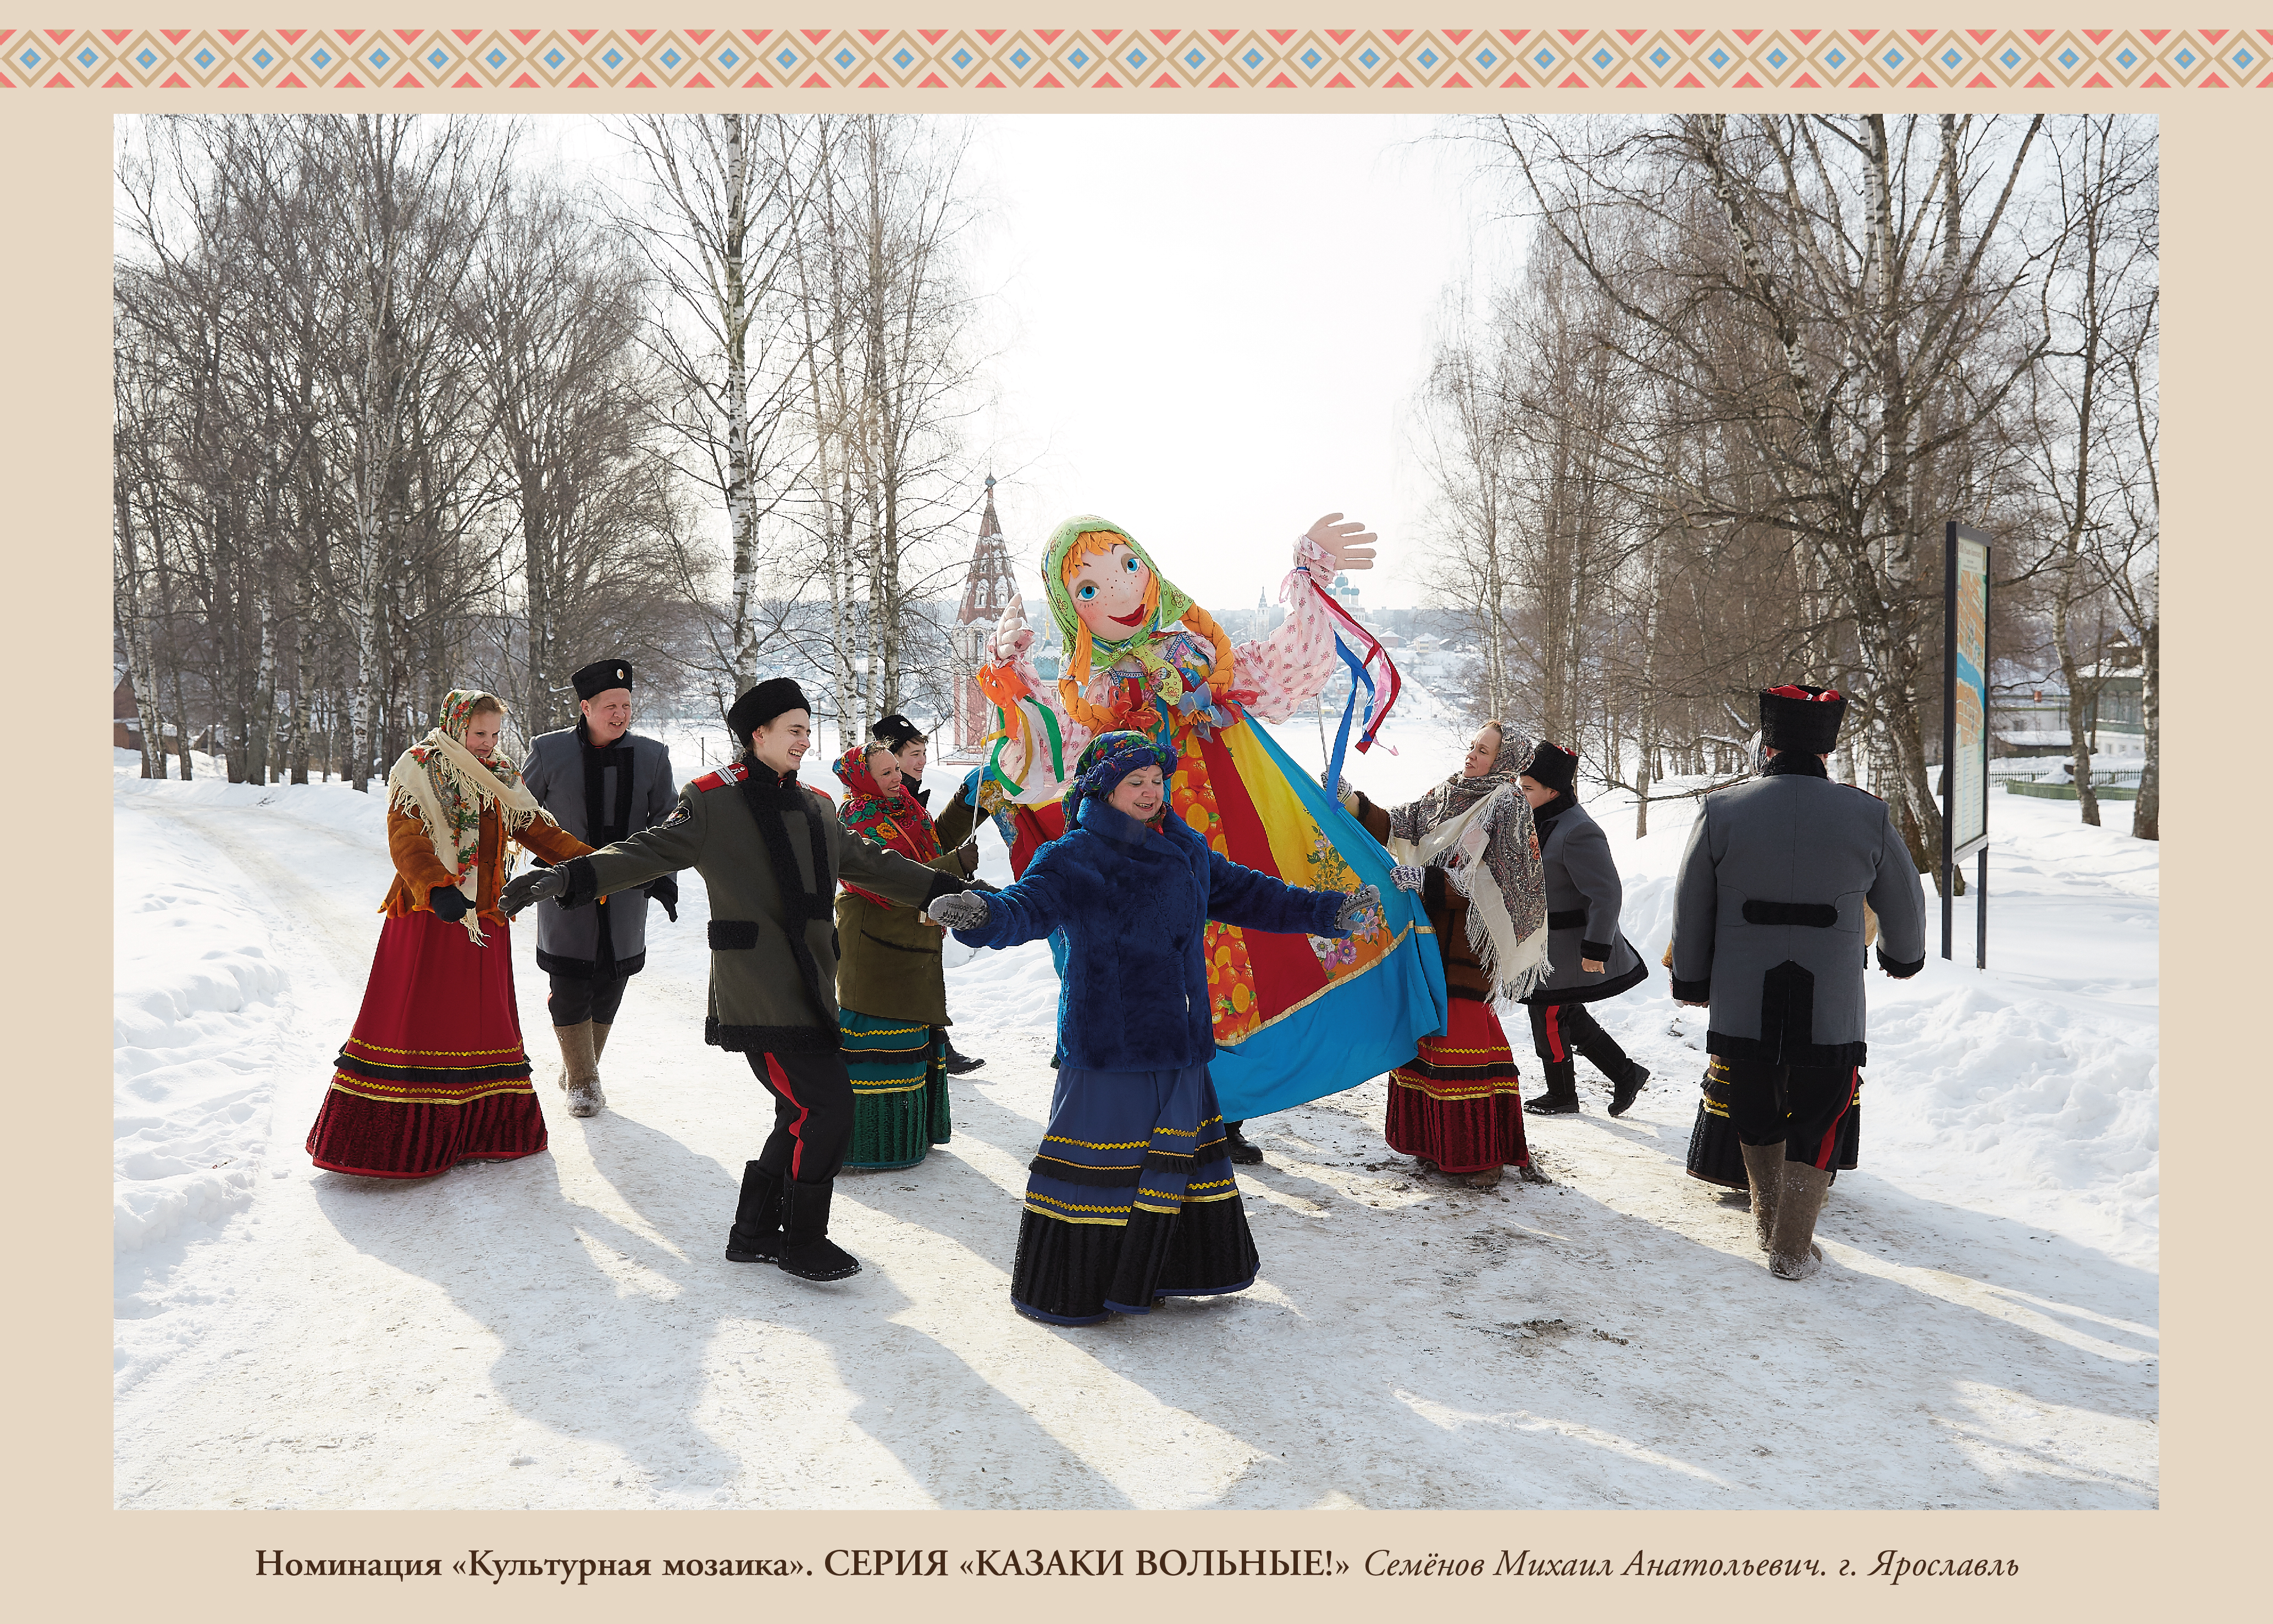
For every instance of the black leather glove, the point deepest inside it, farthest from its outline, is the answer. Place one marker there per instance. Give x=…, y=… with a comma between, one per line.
x=664, y=889
x=449, y=902
x=524, y=889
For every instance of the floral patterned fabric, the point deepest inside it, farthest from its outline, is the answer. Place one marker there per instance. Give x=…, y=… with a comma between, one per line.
x=895, y=821
x=447, y=788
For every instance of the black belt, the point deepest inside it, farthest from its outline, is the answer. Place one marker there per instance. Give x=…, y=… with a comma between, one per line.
x=1822, y=916
x=1567, y=918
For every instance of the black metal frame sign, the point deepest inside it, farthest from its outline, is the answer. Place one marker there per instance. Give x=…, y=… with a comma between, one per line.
x=1965, y=725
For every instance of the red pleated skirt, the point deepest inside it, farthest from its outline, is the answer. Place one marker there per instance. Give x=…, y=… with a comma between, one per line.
x=435, y=1074
x=1457, y=1101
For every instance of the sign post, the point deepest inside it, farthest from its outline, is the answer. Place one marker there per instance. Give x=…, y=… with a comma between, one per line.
x=1965, y=727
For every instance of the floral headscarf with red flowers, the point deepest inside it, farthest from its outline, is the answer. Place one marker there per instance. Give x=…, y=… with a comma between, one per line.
x=894, y=822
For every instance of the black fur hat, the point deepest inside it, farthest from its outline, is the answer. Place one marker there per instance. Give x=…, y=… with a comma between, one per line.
x=896, y=731
x=1554, y=768
x=763, y=703
x=601, y=675
x=1796, y=717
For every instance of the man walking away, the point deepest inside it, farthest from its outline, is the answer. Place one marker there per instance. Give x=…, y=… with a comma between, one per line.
x=1768, y=922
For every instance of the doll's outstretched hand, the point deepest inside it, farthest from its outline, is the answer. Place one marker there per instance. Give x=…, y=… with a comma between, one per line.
x=1012, y=636
x=1346, y=545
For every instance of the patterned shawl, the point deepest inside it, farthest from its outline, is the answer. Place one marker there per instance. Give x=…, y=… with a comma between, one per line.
x=447, y=788
x=1463, y=820
x=894, y=822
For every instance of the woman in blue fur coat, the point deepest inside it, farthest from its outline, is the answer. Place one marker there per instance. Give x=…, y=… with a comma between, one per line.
x=1132, y=1198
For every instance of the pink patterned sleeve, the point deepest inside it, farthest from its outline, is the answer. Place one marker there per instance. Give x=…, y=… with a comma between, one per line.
x=1288, y=667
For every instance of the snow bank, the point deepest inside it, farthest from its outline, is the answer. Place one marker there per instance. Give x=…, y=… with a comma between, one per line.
x=194, y=1004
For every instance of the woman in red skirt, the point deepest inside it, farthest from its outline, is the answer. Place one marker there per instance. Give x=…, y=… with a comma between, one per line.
x=435, y=1074
x=1467, y=846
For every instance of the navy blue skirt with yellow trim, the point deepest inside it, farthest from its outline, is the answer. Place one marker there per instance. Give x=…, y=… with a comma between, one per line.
x=1130, y=1199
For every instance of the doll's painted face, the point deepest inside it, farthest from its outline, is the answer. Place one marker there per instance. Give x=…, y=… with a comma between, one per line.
x=1108, y=593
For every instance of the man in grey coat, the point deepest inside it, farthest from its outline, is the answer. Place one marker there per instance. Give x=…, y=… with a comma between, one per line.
x=601, y=782
x=1589, y=959
x=1768, y=934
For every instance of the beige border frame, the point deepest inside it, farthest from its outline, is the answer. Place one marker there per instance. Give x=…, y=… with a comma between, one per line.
x=80, y=1555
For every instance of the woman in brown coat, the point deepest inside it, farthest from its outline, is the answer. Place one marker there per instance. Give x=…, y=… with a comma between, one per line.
x=434, y=1072
x=891, y=985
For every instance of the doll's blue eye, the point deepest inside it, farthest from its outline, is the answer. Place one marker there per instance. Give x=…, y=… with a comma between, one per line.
x=1131, y=565
x=1086, y=592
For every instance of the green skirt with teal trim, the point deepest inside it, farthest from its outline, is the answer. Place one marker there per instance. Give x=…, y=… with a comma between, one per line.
x=899, y=1089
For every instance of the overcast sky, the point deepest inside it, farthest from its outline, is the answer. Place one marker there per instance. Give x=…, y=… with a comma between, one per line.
x=1207, y=328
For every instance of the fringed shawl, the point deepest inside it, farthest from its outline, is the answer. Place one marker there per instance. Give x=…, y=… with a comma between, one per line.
x=1479, y=830
x=447, y=788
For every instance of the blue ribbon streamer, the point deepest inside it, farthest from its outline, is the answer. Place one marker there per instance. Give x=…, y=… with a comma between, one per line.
x=1349, y=709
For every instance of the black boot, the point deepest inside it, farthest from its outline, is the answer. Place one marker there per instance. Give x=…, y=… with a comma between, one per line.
x=1242, y=1150
x=1562, y=1096
x=756, y=1237
x=958, y=1065
x=1622, y=1095
x=807, y=1251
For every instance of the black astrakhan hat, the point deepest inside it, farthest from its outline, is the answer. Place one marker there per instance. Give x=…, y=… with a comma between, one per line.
x=1796, y=717
x=896, y=731
x=601, y=675
x=763, y=703
x=1555, y=767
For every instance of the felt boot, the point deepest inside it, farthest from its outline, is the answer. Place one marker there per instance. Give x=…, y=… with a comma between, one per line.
x=756, y=1237
x=1484, y=1180
x=1764, y=1172
x=1242, y=1149
x=1792, y=1252
x=600, y=1040
x=579, y=1070
x=1622, y=1095
x=956, y=1064
x=807, y=1251
x=1562, y=1096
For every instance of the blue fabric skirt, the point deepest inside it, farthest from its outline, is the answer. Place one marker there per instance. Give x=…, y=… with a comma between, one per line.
x=1130, y=1198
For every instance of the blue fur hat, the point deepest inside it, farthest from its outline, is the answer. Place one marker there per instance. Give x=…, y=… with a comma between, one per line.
x=1108, y=758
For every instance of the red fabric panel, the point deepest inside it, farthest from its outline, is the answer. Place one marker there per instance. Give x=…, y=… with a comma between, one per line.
x=1285, y=970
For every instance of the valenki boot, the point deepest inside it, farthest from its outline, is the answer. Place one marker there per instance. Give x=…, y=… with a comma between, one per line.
x=600, y=1040
x=579, y=1070
x=1792, y=1252
x=1562, y=1096
x=1763, y=1171
x=756, y=1237
x=807, y=1251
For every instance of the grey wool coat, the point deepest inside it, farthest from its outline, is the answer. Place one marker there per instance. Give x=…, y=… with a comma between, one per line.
x=1582, y=898
x=753, y=838
x=1768, y=914
x=595, y=806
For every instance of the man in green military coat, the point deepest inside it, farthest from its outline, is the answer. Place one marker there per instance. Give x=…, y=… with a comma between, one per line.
x=770, y=851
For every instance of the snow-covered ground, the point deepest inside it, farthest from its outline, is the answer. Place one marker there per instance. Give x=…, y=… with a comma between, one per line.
x=562, y=1332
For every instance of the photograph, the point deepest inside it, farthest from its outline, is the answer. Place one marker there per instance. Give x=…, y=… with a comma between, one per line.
x=1397, y=811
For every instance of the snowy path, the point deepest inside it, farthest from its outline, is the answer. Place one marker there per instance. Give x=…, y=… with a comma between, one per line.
x=561, y=1331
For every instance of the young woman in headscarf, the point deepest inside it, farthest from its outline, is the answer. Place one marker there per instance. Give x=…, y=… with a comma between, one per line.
x=1455, y=1106
x=1296, y=1019
x=956, y=825
x=1132, y=1198
x=434, y=1072
x=891, y=987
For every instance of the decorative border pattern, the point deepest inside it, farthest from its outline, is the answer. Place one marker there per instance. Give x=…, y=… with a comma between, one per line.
x=1135, y=58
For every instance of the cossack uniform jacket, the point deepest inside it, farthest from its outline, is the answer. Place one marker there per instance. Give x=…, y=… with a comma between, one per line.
x=770, y=851
x=1584, y=896
x=1768, y=914
x=597, y=795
